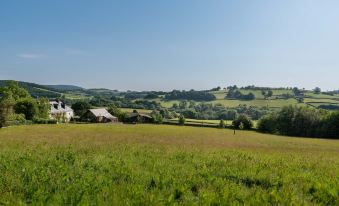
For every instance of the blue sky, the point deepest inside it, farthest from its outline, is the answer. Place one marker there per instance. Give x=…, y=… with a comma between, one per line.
x=165, y=45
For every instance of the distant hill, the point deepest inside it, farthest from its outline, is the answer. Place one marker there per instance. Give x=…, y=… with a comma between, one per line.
x=280, y=97
x=36, y=90
x=64, y=87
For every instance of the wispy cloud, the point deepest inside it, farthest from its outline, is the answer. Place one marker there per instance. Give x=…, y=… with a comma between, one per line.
x=30, y=56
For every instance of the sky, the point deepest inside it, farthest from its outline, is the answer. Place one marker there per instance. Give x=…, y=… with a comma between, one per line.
x=171, y=44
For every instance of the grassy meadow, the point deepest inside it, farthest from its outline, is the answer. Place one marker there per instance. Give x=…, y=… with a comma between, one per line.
x=275, y=102
x=163, y=165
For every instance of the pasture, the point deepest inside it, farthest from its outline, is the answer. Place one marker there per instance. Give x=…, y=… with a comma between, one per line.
x=275, y=102
x=163, y=165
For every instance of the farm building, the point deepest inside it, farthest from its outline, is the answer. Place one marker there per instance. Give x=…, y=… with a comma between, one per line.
x=60, y=111
x=135, y=117
x=99, y=116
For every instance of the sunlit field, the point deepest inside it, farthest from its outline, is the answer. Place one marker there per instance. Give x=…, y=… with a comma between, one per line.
x=159, y=164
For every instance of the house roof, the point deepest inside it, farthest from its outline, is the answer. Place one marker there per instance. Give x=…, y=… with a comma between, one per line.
x=59, y=109
x=101, y=112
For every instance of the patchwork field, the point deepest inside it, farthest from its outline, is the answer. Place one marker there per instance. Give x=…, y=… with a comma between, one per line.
x=159, y=164
x=275, y=102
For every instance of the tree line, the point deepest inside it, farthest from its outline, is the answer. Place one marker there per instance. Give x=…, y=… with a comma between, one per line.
x=190, y=95
x=236, y=94
x=193, y=110
x=17, y=105
x=301, y=121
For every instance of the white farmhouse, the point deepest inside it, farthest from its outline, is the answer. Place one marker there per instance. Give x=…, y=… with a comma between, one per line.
x=60, y=111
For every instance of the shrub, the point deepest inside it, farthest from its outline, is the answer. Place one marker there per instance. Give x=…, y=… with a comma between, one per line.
x=157, y=117
x=301, y=121
x=268, y=124
x=81, y=107
x=190, y=95
x=222, y=124
x=330, y=125
x=181, y=120
x=298, y=121
x=28, y=107
x=44, y=121
x=242, y=120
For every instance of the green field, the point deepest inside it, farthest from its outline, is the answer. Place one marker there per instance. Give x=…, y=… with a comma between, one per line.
x=274, y=102
x=209, y=122
x=163, y=165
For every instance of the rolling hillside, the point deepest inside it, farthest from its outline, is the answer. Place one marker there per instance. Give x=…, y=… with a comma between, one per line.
x=322, y=100
x=51, y=91
x=276, y=101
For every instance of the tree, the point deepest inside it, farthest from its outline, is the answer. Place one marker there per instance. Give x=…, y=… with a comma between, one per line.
x=28, y=107
x=157, y=117
x=16, y=91
x=10, y=94
x=2, y=117
x=181, y=120
x=175, y=106
x=241, y=126
x=190, y=113
x=43, y=108
x=216, y=89
x=192, y=104
x=294, y=121
x=81, y=107
x=123, y=117
x=296, y=91
x=222, y=124
x=268, y=124
x=330, y=125
x=242, y=120
x=190, y=95
x=236, y=94
x=151, y=96
x=6, y=106
x=115, y=111
x=228, y=115
x=183, y=104
x=269, y=93
x=317, y=90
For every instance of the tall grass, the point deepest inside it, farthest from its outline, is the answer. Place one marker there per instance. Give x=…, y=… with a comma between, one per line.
x=159, y=165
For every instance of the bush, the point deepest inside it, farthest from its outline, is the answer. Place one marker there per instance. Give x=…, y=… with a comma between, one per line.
x=81, y=107
x=190, y=95
x=44, y=121
x=268, y=124
x=28, y=107
x=190, y=113
x=181, y=120
x=242, y=120
x=222, y=124
x=236, y=94
x=330, y=126
x=157, y=117
x=298, y=121
x=301, y=121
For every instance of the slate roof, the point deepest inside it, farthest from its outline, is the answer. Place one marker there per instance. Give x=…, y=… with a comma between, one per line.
x=60, y=107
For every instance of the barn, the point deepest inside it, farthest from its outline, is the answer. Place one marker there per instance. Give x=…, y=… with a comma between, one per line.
x=136, y=117
x=100, y=115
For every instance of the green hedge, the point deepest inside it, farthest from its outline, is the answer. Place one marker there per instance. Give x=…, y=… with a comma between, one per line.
x=44, y=121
